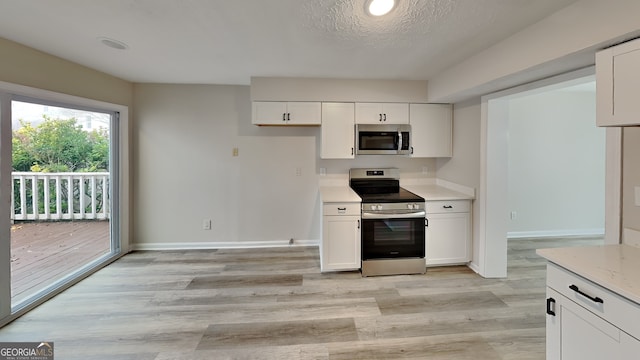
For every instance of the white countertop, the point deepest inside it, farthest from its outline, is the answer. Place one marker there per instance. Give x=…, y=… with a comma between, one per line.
x=344, y=193
x=615, y=267
x=331, y=194
x=436, y=192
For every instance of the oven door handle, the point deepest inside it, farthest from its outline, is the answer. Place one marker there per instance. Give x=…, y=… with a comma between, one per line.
x=394, y=215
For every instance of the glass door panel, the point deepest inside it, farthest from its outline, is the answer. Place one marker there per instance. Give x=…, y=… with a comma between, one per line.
x=61, y=195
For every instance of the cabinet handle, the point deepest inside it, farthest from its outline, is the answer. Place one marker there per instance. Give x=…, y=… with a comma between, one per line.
x=288, y=116
x=284, y=116
x=550, y=310
x=380, y=117
x=358, y=223
x=594, y=299
x=342, y=209
x=426, y=222
x=385, y=117
x=351, y=151
x=447, y=206
x=412, y=150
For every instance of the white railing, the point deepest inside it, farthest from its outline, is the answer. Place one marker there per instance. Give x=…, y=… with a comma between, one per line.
x=59, y=196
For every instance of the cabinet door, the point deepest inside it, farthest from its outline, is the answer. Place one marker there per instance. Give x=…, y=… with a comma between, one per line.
x=338, y=131
x=304, y=113
x=340, y=243
x=368, y=113
x=395, y=113
x=269, y=113
x=630, y=346
x=573, y=332
x=553, y=329
x=618, y=85
x=448, y=239
x=382, y=113
x=431, y=130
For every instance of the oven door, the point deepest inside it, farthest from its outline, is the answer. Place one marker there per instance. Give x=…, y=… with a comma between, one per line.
x=393, y=237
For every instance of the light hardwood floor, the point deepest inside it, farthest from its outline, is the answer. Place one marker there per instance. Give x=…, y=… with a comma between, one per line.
x=275, y=304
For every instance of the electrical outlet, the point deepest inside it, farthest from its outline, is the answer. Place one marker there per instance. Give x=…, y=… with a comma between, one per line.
x=290, y=241
x=323, y=171
x=206, y=224
x=235, y=151
x=298, y=171
x=514, y=215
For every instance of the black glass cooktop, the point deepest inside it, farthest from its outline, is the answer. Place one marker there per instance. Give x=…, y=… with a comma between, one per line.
x=395, y=197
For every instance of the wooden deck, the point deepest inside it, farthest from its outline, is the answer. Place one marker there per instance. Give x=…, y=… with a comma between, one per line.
x=44, y=252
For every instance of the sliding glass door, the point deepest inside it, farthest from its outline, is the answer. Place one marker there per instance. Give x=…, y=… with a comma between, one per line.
x=63, y=189
x=61, y=199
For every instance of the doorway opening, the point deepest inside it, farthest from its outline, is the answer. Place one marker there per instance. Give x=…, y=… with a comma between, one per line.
x=495, y=199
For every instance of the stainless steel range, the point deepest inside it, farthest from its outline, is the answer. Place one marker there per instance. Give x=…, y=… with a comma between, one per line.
x=393, y=223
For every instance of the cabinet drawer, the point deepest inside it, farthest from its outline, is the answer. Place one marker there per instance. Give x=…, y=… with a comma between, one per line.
x=341, y=209
x=604, y=303
x=453, y=206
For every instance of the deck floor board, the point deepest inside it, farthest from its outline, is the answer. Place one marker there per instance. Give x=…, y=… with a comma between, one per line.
x=43, y=252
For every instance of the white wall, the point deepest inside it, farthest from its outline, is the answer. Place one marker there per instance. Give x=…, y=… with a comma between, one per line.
x=630, y=180
x=564, y=41
x=185, y=171
x=464, y=167
x=556, y=165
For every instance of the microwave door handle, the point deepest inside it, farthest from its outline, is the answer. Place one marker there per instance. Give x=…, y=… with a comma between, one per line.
x=399, y=141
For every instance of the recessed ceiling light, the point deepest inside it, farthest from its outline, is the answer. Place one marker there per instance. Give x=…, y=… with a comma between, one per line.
x=112, y=43
x=380, y=7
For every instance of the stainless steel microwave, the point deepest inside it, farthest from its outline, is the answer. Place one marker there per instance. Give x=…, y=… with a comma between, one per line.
x=383, y=139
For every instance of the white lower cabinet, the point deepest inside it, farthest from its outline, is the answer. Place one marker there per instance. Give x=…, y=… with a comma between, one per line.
x=340, y=245
x=448, y=232
x=582, y=320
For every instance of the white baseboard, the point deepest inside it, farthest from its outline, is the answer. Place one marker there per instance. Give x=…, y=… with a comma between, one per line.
x=555, y=233
x=473, y=266
x=222, y=245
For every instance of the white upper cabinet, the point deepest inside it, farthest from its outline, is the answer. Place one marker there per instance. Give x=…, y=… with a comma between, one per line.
x=338, y=134
x=618, y=85
x=286, y=113
x=382, y=113
x=431, y=130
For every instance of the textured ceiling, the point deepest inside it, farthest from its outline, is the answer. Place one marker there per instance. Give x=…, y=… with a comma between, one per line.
x=227, y=42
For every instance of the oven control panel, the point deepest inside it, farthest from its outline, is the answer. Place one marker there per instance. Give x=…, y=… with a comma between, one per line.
x=393, y=206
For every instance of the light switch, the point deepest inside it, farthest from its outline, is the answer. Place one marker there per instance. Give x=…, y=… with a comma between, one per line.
x=235, y=151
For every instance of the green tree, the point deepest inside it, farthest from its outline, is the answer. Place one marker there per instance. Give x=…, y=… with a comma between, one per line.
x=59, y=146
